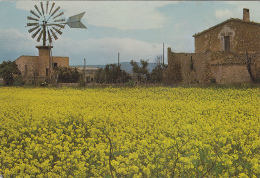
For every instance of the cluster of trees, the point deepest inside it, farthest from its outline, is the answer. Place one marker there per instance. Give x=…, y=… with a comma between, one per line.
x=67, y=75
x=10, y=73
x=142, y=74
x=112, y=73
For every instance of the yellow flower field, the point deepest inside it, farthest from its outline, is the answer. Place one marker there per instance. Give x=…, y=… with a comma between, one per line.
x=130, y=132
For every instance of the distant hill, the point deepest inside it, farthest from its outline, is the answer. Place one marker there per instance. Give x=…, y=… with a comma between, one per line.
x=126, y=66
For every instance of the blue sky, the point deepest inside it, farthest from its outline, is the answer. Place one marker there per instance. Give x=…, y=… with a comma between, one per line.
x=135, y=29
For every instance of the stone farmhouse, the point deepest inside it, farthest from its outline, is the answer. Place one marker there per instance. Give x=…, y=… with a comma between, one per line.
x=88, y=73
x=228, y=52
x=39, y=68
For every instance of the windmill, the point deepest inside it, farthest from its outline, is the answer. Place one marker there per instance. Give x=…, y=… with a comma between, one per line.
x=46, y=22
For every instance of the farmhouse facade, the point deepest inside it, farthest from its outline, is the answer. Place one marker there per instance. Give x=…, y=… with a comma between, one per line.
x=222, y=53
x=38, y=68
x=88, y=73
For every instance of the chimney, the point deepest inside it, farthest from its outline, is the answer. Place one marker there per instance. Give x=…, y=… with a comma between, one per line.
x=246, y=15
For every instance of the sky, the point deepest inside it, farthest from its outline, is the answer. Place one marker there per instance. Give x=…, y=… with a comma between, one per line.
x=135, y=29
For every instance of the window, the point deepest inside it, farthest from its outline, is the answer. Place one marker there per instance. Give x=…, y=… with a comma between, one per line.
x=191, y=64
x=47, y=72
x=226, y=43
x=55, y=65
x=25, y=69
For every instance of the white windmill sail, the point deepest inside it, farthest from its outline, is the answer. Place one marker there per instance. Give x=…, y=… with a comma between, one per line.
x=74, y=21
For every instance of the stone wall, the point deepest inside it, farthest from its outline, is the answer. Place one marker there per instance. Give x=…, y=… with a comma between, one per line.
x=226, y=74
x=27, y=65
x=61, y=61
x=207, y=67
x=244, y=36
x=188, y=67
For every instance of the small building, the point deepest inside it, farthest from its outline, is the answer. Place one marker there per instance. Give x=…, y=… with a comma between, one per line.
x=39, y=68
x=88, y=73
x=221, y=54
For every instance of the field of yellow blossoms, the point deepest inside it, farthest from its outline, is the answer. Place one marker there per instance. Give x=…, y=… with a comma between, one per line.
x=130, y=132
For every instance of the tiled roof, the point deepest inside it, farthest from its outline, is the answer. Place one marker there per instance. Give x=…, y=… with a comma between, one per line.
x=227, y=21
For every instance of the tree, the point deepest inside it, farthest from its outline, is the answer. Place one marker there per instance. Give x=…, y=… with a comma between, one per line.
x=249, y=69
x=8, y=70
x=98, y=76
x=111, y=74
x=157, y=74
x=140, y=72
x=67, y=75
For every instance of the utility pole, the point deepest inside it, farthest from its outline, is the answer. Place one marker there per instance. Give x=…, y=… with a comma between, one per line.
x=163, y=54
x=118, y=59
x=118, y=65
x=84, y=76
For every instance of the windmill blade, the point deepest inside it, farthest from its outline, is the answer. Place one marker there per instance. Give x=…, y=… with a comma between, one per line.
x=32, y=24
x=52, y=7
x=55, y=10
x=58, y=15
x=31, y=18
x=61, y=20
x=47, y=4
x=76, y=25
x=49, y=37
x=40, y=36
x=42, y=8
x=32, y=29
x=58, y=25
x=53, y=34
x=74, y=21
x=34, y=14
x=38, y=10
x=58, y=31
x=33, y=36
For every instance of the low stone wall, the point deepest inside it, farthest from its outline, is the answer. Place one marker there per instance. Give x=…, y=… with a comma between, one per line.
x=220, y=67
x=227, y=74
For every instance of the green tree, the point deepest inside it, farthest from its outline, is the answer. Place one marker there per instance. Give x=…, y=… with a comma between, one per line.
x=157, y=74
x=111, y=74
x=98, y=76
x=8, y=70
x=68, y=75
x=140, y=71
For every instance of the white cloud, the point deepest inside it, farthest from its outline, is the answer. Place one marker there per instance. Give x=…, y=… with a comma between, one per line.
x=253, y=6
x=123, y=15
x=223, y=14
x=96, y=51
x=105, y=50
x=12, y=40
x=15, y=44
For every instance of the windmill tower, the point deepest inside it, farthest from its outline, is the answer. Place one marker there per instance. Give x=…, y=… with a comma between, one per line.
x=46, y=23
